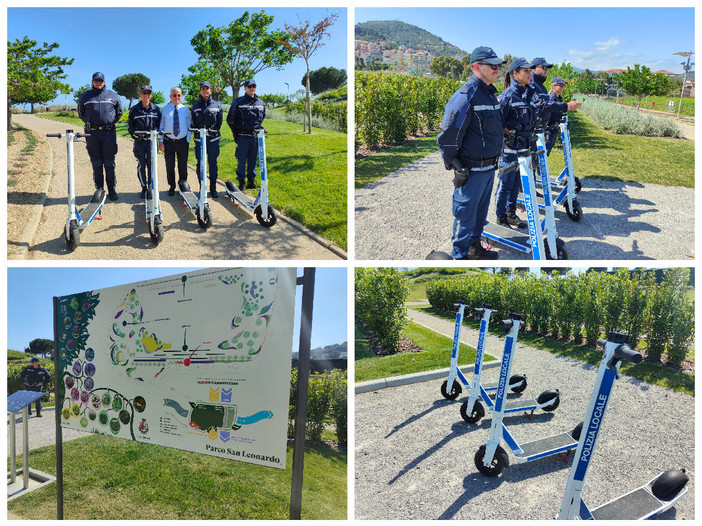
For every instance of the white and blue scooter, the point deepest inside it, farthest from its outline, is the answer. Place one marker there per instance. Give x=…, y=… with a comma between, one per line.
x=517, y=382
x=77, y=221
x=491, y=459
x=152, y=203
x=198, y=204
x=260, y=206
x=646, y=502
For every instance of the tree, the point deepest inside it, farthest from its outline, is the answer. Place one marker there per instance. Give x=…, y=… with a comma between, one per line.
x=40, y=346
x=241, y=49
x=304, y=42
x=79, y=91
x=448, y=67
x=199, y=72
x=325, y=79
x=639, y=81
x=33, y=73
x=128, y=85
x=274, y=100
x=157, y=97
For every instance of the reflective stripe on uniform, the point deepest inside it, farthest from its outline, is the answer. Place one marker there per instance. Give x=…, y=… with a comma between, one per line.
x=485, y=107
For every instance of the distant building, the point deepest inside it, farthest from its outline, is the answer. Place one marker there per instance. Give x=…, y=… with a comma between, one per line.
x=668, y=74
x=408, y=60
x=366, y=47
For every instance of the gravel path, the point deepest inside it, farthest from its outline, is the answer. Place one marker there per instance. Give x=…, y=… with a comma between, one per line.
x=122, y=232
x=408, y=213
x=414, y=454
x=42, y=431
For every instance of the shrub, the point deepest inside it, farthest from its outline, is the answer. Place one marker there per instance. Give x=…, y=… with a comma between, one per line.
x=619, y=119
x=14, y=383
x=327, y=399
x=330, y=112
x=380, y=304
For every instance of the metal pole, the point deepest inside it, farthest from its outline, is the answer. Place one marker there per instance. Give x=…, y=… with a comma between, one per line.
x=25, y=448
x=682, y=91
x=57, y=411
x=13, y=447
x=303, y=375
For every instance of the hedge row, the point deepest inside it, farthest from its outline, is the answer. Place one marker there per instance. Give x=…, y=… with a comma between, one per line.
x=622, y=120
x=391, y=106
x=334, y=112
x=586, y=307
x=380, y=304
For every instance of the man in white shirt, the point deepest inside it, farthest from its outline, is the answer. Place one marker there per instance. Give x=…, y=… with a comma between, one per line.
x=175, y=122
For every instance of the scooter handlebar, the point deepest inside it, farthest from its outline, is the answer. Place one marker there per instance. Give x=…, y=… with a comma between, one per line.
x=507, y=168
x=59, y=135
x=601, y=342
x=625, y=353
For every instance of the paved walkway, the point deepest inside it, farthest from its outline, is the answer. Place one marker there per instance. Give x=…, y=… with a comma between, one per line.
x=42, y=431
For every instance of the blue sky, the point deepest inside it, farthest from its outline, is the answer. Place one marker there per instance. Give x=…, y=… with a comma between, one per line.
x=30, y=292
x=596, y=38
x=156, y=41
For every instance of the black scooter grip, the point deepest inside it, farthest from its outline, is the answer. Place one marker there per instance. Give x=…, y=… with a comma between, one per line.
x=54, y=135
x=627, y=354
x=601, y=342
x=507, y=168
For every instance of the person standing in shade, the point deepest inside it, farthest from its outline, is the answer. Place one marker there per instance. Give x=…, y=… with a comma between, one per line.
x=145, y=116
x=245, y=118
x=34, y=377
x=100, y=109
x=471, y=142
x=207, y=113
x=175, y=123
x=557, y=87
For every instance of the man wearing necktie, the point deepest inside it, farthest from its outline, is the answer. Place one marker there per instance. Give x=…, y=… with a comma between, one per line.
x=175, y=121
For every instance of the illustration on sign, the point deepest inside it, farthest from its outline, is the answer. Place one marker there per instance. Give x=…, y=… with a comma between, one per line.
x=198, y=361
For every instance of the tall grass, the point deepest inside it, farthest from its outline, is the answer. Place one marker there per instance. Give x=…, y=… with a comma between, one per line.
x=619, y=119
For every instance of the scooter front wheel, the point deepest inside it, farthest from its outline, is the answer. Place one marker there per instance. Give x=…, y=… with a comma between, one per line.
x=266, y=221
x=73, y=239
x=499, y=462
x=561, y=252
x=455, y=390
x=578, y=185
x=205, y=221
x=157, y=234
x=576, y=214
x=475, y=415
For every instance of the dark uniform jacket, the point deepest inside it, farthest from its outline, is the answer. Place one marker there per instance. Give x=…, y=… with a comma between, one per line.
x=519, y=113
x=143, y=119
x=246, y=115
x=99, y=107
x=472, y=128
x=544, y=105
x=555, y=116
x=34, y=376
x=207, y=115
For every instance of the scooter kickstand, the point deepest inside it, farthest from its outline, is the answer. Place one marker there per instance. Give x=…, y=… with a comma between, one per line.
x=529, y=415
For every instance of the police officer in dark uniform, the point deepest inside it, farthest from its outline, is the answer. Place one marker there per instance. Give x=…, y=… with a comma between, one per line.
x=144, y=116
x=245, y=117
x=207, y=113
x=100, y=108
x=471, y=142
x=34, y=377
x=557, y=87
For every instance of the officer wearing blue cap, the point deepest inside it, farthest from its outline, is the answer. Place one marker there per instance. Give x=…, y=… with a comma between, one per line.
x=207, y=113
x=544, y=105
x=471, y=142
x=245, y=118
x=34, y=377
x=145, y=116
x=519, y=114
x=557, y=87
x=100, y=108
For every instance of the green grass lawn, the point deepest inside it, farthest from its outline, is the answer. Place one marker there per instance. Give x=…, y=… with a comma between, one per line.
x=107, y=478
x=688, y=103
x=436, y=355
x=307, y=173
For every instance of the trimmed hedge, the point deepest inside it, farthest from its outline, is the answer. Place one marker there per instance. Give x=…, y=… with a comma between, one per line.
x=585, y=307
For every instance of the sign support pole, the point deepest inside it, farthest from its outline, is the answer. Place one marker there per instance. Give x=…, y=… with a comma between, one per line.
x=303, y=375
x=59, y=432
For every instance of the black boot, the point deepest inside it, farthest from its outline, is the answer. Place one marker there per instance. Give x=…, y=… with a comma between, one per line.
x=476, y=251
x=513, y=219
x=143, y=192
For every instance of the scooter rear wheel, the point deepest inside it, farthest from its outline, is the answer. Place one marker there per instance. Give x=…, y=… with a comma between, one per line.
x=455, y=390
x=521, y=382
x=269, y=221
x=73, y=239
x=499, y=462
x=669, y=484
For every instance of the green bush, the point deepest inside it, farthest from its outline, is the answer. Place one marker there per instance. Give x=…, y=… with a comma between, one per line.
x=380, y=304
x=14, y=383
x=332, y=112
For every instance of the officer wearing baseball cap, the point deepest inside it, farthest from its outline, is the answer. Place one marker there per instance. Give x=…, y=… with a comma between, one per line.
x=245, y=118
x=544, y=105
x=557, y=87
x=145, y=116
x=471, y=142
x=207, y=113
x=34, y=377
x=100, y=109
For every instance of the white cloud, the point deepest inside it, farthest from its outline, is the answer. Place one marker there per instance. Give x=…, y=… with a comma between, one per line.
x=602, y=55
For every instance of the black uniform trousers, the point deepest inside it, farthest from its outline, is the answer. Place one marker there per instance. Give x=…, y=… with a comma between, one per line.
x=142, y=152
x=102, y=149
x=172, y=149
x=212, y=145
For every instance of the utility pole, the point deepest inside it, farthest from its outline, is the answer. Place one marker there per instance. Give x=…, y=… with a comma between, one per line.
x=686, y=68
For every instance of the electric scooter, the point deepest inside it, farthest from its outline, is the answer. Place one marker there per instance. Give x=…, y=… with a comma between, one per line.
x=491, y=459
x=646, y=502
x=517, y=382
x=567, y=195
x=198, y=204
x=77, y=221
x=260, y=206
x=472, y=410
x=152, y=202
x=532, y=243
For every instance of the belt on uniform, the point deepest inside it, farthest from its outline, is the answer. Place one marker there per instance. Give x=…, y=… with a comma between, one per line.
x=248, y=133
x=482, y=163
x=167, y=138
x=91, y=127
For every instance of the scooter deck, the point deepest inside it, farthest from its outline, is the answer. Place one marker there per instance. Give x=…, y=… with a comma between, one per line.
x=92, y=208
x=514, y=406
x=239, y=196
x=512, y=238
x=546, y=446
x=636, y=505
